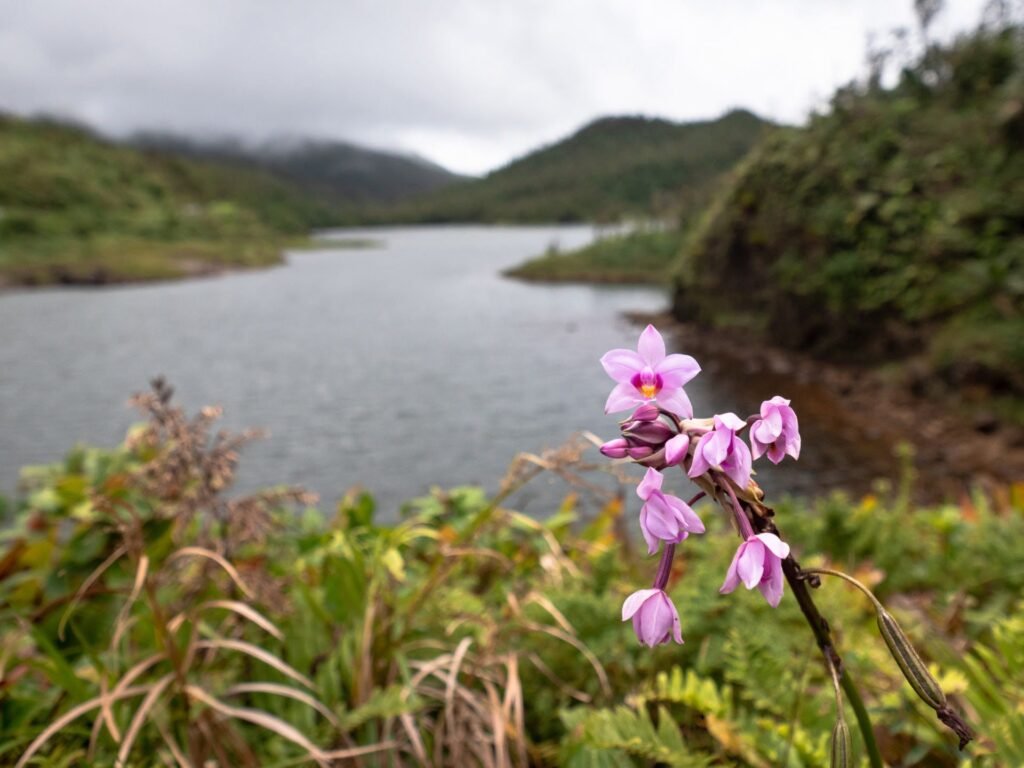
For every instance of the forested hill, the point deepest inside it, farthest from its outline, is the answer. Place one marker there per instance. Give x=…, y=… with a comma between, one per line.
x=891, y=229
x=612, y=168
x=75, y=207
x=337, y=171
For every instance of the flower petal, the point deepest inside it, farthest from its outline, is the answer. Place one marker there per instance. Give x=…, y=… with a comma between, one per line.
x=651, y=346
x=732, y=578
x=700, y=465
x=652, y=541
x=729, y=420
x=771, y=584
x=676, y=448
x=793, y=446
x=717, y=447
x=676, y=370
x=635, y=601
x=660, y=520
x=688, y=519
x=656, y=620
x=675, y=401
x=622, y=397
x=738, y=465
x=651, y=482
x=622, y=364
x=775, y=545
x=750, y=566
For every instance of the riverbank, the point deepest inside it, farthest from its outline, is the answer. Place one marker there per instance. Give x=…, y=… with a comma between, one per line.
x=957, y=445
x=633, y=258
x=114, y=260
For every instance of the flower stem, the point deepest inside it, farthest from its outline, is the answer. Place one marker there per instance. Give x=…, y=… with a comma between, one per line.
x=665, y=566
x=819, y=627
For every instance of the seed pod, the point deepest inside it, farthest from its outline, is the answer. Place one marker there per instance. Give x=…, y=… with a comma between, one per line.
x=842, y=756
x=910, y=663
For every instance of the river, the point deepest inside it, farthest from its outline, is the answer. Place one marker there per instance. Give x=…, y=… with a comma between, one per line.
x=398, y=367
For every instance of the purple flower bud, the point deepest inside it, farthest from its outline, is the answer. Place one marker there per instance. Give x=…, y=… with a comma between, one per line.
x=654, y=433
x=638, y=451
x=615, y=449
x=777, y=432
x=646, y=412
x=654, y=617
x=676, y=449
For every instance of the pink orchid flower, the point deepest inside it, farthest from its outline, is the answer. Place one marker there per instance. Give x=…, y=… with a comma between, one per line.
x=758, y=563
x=649, y=376
x=721, y=449
x=777, y=432
x=664, y=517
x=654, y=617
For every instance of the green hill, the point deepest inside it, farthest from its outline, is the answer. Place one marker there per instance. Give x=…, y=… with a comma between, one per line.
x=888, y=231
x=335, y=170
x=77, y=208
x=612, y=168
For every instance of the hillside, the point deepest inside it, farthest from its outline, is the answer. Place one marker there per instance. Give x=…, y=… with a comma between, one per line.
x=335, y=170
x=612, y=168
x=77, y=208
x=890, y=231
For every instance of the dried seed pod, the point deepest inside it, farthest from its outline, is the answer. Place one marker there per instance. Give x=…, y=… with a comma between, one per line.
x=912, y=666
x=842, y=755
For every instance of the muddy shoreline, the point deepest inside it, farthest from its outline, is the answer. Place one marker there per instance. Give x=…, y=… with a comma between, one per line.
x=952, y=456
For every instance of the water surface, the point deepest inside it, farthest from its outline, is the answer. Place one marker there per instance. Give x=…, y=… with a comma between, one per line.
x=397, y=368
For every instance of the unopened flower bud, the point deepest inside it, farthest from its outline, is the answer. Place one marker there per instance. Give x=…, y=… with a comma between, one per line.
x=841, y=747
x=646, y=412
x=676, y=449
x=615, y=449
x=654, y=433
x=913, y=668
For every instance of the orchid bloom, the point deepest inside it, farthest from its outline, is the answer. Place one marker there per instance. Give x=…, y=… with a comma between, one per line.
x=758, y=563
x=664, y=517
x=649, y=376
x=654, y=617
x=777, y=432
x=721, y=449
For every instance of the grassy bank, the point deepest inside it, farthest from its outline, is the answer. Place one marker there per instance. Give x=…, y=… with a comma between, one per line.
x=466, y=633
x=634, y=257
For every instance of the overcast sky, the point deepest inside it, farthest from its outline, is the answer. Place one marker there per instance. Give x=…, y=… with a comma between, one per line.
x=468, y=83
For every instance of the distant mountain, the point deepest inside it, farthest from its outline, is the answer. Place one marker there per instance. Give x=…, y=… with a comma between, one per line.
x=611, y=168
x=335, y=170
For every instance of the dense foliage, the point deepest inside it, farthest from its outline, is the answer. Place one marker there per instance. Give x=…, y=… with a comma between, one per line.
x=77, y=208
x=612, y=168
x=146, y=614
x=641, y=256
x=889, y=229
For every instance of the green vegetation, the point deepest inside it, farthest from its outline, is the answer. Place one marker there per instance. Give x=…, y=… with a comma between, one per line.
x=76, y=208
x=633, y=257
x=143, y=612
x=890, y=230
x=612, y=168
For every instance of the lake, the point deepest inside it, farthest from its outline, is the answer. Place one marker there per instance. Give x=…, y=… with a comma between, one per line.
x=397, y=367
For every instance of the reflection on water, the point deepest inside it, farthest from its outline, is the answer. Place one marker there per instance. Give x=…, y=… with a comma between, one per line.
x=397, y=368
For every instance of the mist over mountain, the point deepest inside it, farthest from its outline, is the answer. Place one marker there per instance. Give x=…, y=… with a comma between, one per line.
x=339, y=171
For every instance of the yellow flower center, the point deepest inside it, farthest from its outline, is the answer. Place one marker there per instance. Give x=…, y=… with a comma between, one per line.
x=648, y=390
